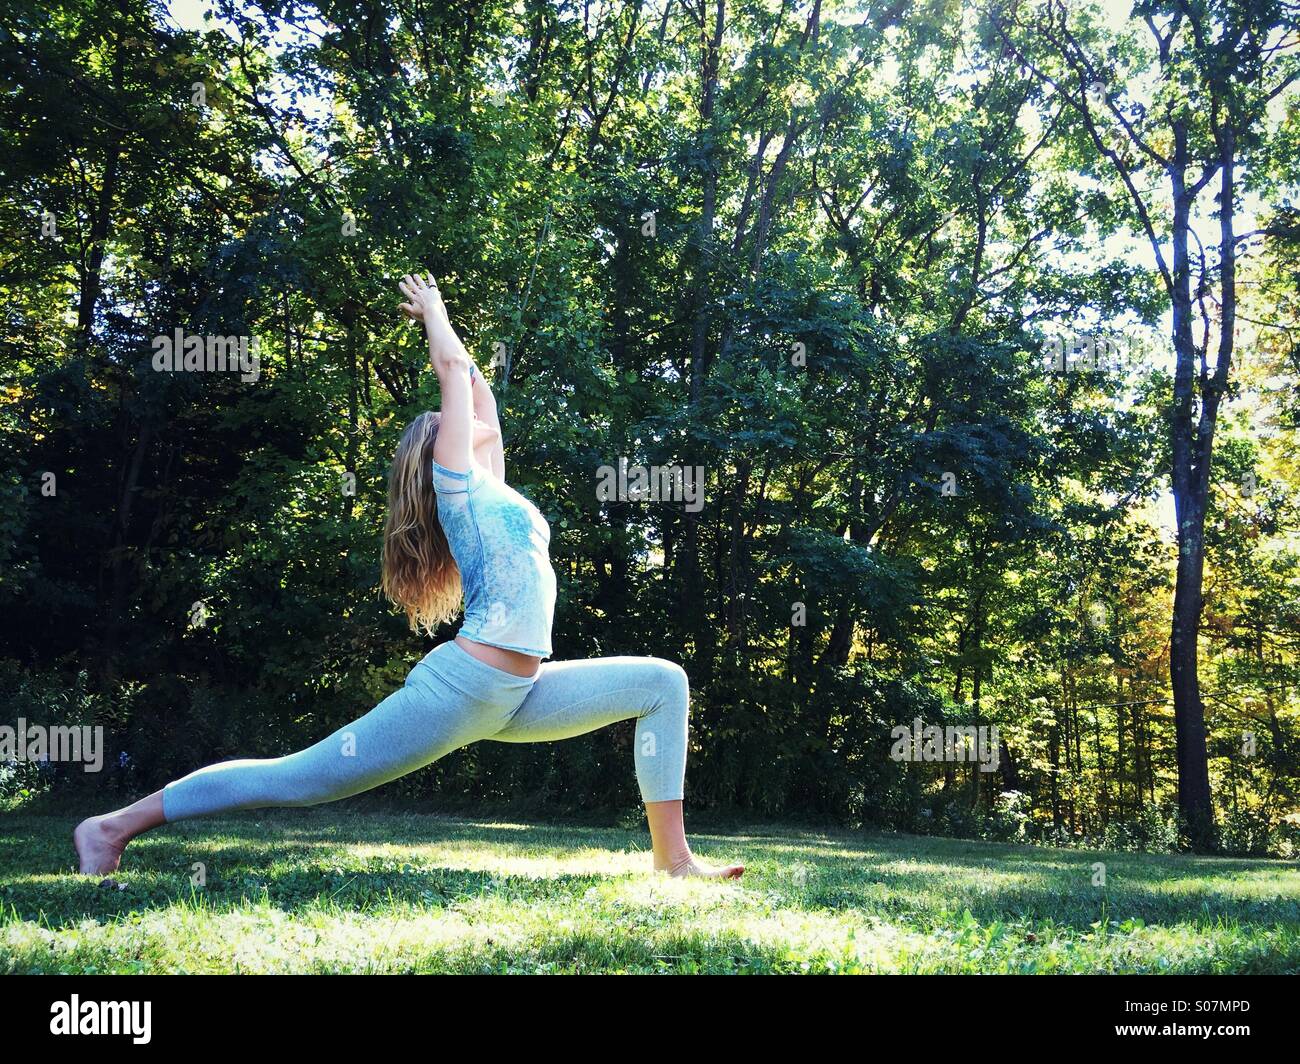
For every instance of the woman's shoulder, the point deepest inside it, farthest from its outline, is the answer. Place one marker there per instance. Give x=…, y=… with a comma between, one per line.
x=448, y=481
x=452, y=482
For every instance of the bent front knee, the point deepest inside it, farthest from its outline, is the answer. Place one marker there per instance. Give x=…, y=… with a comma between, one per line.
x=673, y=686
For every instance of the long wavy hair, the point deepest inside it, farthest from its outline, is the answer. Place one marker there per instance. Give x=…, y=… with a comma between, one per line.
x=419, y=573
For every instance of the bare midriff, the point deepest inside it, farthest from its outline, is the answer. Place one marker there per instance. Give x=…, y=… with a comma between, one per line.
x=510, y=661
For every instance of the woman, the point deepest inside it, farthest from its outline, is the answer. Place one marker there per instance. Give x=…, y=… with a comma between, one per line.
x=455, y=526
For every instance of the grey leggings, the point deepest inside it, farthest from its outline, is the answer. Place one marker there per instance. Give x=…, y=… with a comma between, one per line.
x=451, y=699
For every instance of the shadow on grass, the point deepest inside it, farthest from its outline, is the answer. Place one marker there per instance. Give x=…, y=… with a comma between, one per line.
x=300, y=860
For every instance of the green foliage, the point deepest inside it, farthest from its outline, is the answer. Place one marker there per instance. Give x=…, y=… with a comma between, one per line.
x=972, y=540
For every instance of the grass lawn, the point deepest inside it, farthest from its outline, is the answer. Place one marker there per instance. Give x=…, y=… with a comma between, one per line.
x=322, y=891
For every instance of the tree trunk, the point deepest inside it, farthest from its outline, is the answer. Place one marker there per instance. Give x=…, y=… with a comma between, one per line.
x=1189, y=488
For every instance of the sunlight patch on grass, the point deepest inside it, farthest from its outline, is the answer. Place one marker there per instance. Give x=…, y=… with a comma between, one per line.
x=403, y=892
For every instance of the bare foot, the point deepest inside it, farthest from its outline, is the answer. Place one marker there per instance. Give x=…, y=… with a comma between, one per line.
x=98, y=848
x=691, y=867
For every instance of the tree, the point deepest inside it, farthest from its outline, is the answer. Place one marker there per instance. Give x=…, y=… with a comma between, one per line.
x=1216, y=65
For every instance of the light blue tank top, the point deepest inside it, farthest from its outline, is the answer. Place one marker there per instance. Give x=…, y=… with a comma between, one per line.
x=501, y=544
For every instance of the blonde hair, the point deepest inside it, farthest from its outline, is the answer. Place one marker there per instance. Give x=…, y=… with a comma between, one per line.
x=419, y=573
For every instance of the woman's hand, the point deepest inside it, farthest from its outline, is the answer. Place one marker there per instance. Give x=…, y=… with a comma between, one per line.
x=424, y=299
x=424, y=303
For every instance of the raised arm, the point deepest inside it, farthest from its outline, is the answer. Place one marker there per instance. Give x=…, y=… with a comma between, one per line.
x=451, y=363
x=485, y=409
